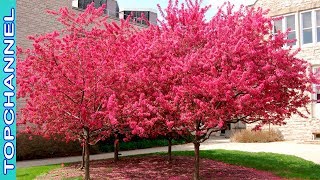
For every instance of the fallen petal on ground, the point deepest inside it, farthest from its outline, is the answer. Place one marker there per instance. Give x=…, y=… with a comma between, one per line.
x=157, y=167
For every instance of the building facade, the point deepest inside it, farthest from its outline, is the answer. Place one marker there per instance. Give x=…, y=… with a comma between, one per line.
x=114, y=11
x=32, y=18
x=303, y=18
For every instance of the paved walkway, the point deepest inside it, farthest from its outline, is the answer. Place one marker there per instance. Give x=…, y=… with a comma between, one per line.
x=309, y=152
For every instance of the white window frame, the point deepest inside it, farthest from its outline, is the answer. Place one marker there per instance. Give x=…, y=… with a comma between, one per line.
x=284, y=27
x=273, y=26
x=313, y=27
x=316, y=26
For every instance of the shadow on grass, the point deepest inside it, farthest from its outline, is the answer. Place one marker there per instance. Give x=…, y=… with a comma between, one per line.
x=286, y=166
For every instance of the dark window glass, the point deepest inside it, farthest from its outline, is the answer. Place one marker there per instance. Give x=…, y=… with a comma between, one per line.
x=318, y=93
x=318, y=34
x=97, y=3
x=84, y=3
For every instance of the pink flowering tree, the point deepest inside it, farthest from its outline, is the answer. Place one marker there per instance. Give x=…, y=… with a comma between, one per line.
x=155, y=112
x=199, y=75
x=72, y=80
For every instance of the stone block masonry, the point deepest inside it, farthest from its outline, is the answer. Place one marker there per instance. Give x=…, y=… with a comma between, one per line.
x=297, y=128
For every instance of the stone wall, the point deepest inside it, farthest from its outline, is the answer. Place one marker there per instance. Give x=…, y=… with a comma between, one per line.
x=297, y=128
x=281, y=7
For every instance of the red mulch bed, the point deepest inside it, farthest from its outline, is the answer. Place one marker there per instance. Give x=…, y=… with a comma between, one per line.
x=157, y=167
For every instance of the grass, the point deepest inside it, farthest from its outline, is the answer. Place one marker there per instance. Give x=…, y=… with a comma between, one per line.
x=285, y=166
x=74, y=178
x=32, y=172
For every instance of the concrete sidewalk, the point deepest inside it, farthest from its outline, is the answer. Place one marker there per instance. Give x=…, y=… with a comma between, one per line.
x=309, y=152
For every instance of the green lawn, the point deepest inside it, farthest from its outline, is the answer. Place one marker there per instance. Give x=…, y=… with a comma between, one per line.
x=32, y=172
x=282, y=165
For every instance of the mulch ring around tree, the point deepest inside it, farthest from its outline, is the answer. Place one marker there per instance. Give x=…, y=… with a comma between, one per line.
x=157, y=167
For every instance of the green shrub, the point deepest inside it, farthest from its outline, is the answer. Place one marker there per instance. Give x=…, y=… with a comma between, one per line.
x=247, y=136
x=39, y=147
x=136, y=143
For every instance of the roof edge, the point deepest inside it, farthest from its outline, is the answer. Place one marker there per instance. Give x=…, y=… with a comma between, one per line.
x=138, y=9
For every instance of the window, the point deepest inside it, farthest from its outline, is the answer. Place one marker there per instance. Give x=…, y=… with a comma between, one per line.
x=306, y=27
x=318, y=25
x=310, y=26
x=84, y=3
x=277, y=26
x=291, y=24
x=288, y=22
x=136, y=16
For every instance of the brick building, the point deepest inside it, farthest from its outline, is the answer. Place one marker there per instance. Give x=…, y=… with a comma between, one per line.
x=32, y=17
x=303, y=18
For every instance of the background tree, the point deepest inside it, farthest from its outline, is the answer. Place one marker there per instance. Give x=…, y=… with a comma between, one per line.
x=224, y=70
x=68, y=79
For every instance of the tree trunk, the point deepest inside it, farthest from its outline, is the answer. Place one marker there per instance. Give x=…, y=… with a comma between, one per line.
x=83, y=154
x=116, y=149
x=169, y=149
x=196, y=161
x=87, y=154
x=269, y=128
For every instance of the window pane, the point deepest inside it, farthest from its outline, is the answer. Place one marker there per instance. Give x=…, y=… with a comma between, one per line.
x=138, y=14
x=292, y=36
x=316, y=70
x=97, y=3
x=290, y=22
x=318, y=17
x=306, y=20
x=318, y=34
x=307, y=36
x=83, y=3
x=277, y=26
